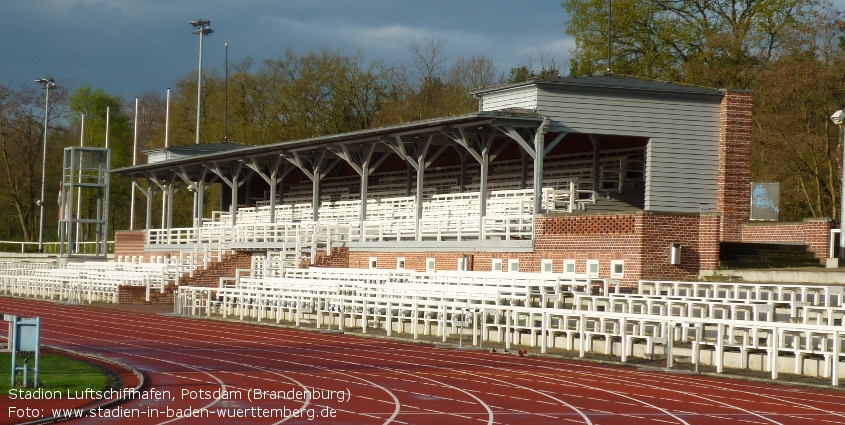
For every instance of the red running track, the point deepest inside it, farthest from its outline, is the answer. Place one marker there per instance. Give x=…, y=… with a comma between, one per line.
x=352, y=380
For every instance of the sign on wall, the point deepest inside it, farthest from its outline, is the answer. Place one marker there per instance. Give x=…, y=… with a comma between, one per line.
x=765, y=201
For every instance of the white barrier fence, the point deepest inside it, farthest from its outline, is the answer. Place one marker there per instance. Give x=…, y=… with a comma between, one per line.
x=761, y=325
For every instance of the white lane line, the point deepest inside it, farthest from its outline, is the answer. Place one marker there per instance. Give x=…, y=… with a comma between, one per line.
x=395, y=400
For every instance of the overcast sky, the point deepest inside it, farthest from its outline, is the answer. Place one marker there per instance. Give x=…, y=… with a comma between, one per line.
x=129, y=47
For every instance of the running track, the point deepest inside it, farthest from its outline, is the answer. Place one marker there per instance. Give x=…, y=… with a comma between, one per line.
x=395, y=382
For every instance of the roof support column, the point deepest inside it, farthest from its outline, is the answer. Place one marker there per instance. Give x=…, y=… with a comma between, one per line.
x=361, y=162
x=462, y=183
x=150, y=193
x=272, y=179
x=317, y=170
x=416, y=158
x=539, y=157
x=233, y=182
x=233, y=207
x=418, y=213
x=596, y=140
x=200, y=193
x=169, y=223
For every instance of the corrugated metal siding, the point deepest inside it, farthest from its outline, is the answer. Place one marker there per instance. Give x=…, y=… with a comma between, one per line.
x=683, y=151
x=521, y=97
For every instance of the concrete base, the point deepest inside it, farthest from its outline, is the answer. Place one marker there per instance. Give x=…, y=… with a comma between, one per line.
x=816, y=275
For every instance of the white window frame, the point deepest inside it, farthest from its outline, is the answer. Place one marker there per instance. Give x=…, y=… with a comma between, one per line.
x=401, y=263
x=613, y=273
x=460, y=264
x=429, y=264
x=591, y=263
x=373, y=262
x=566, y=264
x=496, y=265
x=547, y=266
x=513, y=265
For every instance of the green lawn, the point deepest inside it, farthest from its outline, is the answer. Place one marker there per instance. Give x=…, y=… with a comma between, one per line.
x=56, y=373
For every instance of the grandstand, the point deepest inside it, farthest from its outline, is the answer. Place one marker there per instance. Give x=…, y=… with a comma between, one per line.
x=598, y=175
x=572, y=213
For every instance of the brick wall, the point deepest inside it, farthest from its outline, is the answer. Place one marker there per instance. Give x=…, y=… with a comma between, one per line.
x=138, y=295
x=130, y=242
x=642, y=240
x=224, y=268
x=813, y=232
x=734, y=180
x=338, y=259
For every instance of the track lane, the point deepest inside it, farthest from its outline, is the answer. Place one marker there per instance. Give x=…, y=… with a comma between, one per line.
x=528, y=371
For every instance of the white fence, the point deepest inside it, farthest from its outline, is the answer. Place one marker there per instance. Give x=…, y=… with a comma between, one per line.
x=796, y=328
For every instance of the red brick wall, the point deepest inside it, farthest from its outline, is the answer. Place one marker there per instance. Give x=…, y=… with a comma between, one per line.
x=813, y=232
x=129, y=242
x=224, y=268
x=734, y=181
x=699, y=239
x=640, y=239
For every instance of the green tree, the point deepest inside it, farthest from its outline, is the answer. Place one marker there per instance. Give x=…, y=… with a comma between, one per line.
x=722, y=43
x=21, y=146
x=794, y=141
x=93, y=103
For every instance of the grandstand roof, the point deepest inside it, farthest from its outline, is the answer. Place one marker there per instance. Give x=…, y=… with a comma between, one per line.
x=612, y=82
x=511, y=117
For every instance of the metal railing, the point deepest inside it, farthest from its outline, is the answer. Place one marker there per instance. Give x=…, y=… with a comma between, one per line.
x=49, y=247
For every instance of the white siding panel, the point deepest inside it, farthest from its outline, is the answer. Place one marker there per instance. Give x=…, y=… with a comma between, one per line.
x=520, y=97
x=682, y=157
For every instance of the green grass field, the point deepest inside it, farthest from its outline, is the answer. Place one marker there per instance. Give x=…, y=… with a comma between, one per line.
x=56, y=373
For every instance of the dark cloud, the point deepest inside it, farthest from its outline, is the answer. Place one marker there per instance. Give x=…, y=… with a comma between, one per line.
x=133, y=46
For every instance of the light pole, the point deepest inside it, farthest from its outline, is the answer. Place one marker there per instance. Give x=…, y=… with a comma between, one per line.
x=838, y=118
x=226, y=89
x=202, y=28
x=47, y=84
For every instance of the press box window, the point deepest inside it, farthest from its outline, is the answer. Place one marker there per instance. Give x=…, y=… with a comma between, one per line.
x=429, y=264
x=569, y=266
x=497, y=265
x=593, y=268
x=617, y=269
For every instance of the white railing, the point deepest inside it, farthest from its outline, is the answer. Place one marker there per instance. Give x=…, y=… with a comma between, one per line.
x=551, y=311
x=53, y=247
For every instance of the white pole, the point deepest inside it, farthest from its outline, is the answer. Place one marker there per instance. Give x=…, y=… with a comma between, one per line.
x=108, y=113
x=199, y=88
x=79, y=189
x=167, y=120
x=166, y=143
x=47, y=84
x=134, y=162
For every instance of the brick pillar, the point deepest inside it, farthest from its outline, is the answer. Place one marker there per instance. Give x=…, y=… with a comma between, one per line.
x=734, y=182
x=130, y=242
x=816, y=232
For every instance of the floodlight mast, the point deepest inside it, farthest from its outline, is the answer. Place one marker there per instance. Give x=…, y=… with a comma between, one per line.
x=202, y=28
x=838, y=118
x=47, y=84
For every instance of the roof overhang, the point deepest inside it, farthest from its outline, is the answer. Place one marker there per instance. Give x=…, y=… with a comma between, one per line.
x=468, y=123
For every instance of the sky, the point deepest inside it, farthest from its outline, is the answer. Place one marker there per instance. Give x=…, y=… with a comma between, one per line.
x=130, y=47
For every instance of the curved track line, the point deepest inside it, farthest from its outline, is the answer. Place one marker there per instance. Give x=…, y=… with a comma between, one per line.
x=390, y=393
x=556, y=379
x=609, y=391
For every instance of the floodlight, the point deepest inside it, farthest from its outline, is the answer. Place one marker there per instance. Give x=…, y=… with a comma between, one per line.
x=838, y=117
